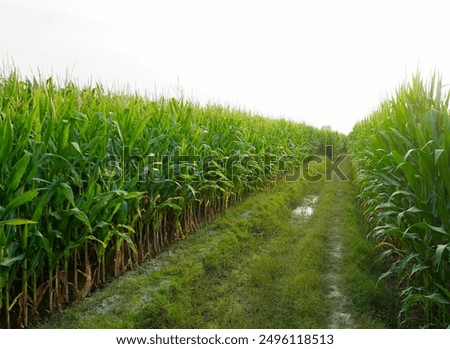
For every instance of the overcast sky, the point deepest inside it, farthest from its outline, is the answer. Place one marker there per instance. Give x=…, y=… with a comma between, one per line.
x=324, y=62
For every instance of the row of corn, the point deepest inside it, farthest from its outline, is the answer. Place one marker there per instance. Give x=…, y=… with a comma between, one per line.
x=94, y=181
x=402, y=165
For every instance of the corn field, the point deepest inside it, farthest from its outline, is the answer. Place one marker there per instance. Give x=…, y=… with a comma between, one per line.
x=402, y=164
x=94, y=181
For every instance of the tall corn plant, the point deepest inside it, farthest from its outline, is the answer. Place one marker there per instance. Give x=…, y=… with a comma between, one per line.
x=402, y=163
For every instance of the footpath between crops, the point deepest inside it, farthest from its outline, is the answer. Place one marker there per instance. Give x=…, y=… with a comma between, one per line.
x=293, y=256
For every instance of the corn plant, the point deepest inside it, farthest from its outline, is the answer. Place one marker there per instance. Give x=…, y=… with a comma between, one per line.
x=402, y=163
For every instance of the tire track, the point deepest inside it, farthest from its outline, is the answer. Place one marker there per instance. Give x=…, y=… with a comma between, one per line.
x=340, y=316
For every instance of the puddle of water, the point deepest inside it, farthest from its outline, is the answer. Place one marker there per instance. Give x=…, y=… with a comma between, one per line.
x=335, y=292
x=107, y=305
x=336, y=251
x=306, y=209
x=339, y=318
x=247, y=215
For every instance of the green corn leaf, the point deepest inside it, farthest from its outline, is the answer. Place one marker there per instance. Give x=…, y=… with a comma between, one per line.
x=19, y=201
x=17, y=221
x=133, y=195
x=414, y=209
x=7, y=138
x=437, y=155
x=128, y=240
x=423, y=225
x=418, y=268
x=9, y=261
x=80, y=215
x=440, y=249
x=437, y=298
x=444, y=290
x=18, y=172
x=92, y=237
x=76, y=146
x=66, y=190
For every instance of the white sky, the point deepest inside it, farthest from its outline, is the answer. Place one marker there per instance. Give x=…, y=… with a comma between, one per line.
x=325, y=62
